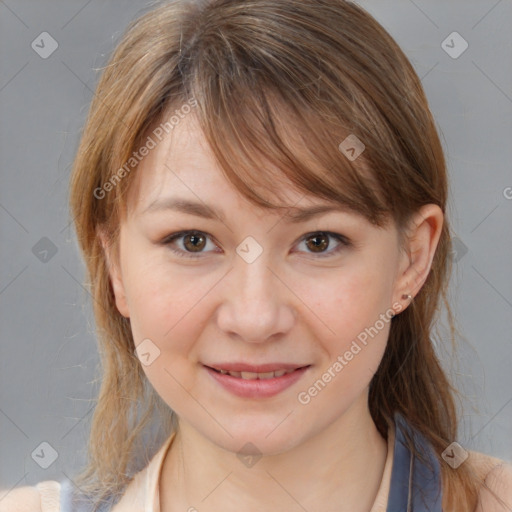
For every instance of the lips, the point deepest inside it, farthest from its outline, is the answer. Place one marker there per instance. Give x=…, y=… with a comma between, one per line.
x=241, y=379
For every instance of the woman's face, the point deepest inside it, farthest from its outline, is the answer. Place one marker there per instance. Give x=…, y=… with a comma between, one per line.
x=255, y=288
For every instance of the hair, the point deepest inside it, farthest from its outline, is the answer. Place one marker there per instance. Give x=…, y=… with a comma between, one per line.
x=257, y=74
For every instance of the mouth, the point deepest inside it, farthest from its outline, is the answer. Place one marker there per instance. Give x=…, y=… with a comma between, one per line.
x=256, y=375
x=239, y=381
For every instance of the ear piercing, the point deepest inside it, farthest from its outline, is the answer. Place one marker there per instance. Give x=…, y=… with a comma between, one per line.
x=405, y=296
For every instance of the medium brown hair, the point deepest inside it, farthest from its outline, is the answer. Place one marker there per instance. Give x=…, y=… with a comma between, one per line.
x=259, y=72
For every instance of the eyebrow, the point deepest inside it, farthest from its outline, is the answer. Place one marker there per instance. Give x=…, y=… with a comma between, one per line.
x=293, y=215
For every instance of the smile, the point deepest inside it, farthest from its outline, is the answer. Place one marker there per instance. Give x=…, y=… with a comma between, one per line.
x=253, y=375
x=261, y=384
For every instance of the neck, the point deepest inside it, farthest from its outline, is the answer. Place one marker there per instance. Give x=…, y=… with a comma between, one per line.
x=339, y=468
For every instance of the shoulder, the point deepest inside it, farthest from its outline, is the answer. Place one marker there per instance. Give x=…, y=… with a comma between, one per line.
x=495, y=475
x=21, y=499
x=31, y=498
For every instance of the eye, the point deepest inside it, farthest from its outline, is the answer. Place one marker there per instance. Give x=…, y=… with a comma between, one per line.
x=318, y=242
x=193, y=243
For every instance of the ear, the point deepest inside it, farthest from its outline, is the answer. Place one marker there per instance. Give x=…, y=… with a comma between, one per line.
x=420, y=243
x=116, y=279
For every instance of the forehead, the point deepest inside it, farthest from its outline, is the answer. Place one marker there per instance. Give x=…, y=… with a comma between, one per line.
x=183, y=166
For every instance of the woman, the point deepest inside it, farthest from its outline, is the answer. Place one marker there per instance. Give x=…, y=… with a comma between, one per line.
x=260, y=196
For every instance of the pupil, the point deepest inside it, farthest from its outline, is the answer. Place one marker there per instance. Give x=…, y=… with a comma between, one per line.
x=322, y=244
x=194, y=239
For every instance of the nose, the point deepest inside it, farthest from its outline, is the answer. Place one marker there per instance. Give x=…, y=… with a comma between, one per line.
x=257, y=304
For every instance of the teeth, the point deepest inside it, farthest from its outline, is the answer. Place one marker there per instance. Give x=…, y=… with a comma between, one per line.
x=249, y=375
x=254, y=376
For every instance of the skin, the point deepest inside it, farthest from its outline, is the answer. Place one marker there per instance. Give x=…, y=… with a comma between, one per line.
x=289, y=305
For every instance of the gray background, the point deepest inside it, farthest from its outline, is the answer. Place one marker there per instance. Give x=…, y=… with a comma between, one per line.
x=48, y=350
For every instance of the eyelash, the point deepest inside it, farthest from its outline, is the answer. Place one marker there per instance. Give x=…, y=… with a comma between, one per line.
x=343, y=242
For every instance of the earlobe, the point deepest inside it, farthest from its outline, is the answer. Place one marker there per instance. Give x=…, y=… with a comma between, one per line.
x=112, y=262
x=422, y=238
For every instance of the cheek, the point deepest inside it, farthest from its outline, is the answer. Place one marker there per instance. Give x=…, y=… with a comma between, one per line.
x=353, y=335
x=347, y=302
x=166, y=315
x=166, y=303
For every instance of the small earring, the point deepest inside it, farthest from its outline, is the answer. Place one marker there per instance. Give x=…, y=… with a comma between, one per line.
x=404, y=297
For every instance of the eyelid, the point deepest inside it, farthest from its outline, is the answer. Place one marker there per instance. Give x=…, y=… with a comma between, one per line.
x=341, y=239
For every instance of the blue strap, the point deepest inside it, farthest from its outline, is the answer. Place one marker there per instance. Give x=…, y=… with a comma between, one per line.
x=415, y=484
x=66, y=490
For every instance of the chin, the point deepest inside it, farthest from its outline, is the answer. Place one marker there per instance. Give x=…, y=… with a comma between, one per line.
x=251, y=437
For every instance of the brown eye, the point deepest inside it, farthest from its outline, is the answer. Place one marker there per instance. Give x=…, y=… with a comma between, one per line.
x=194, y=242
x=189, y=244
x=319, y=242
